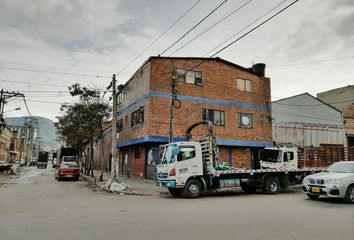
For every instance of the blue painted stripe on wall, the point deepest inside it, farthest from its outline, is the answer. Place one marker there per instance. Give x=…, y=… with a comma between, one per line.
x=194, y=100
x=237, y=143
x=148, y=138
x=223, y=142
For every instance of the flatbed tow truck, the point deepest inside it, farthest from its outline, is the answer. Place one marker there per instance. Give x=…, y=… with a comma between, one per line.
x=191, y=168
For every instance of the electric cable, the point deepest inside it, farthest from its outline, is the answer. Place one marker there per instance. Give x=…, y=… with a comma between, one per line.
x=244, y=35
x=312, y=62
x=33, y=83
x=217, y=22
x=158, y=38
x=250, y=24
x=54, y=72
x=208, y=15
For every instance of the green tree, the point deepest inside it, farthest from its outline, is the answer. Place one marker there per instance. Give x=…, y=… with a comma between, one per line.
x=82, y=120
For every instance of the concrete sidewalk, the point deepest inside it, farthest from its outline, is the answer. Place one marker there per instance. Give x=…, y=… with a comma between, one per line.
x=141, y=187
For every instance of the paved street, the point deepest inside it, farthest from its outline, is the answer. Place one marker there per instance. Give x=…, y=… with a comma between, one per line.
x=36, y=206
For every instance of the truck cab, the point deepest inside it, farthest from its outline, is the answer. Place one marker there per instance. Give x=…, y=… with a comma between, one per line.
x=279, y=159
x=178, y=162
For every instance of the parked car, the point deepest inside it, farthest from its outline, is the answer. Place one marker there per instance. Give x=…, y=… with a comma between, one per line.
x=33, y=162
x=336, y=181
x=68, y=170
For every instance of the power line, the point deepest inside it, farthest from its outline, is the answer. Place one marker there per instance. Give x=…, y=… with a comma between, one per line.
x=53, y=72
x=11, y=87
x=46, y=66
x=194, y=26
x=310, y=105
x=217, y=22
x=39, y=101
x=28, y=111
x=44, y=91
x=158, y=38
x=250, y=31
x=33, y=83
x=257, y=19
x=312, y=62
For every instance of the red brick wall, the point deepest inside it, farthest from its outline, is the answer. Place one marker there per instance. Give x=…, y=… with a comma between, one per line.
x=219, y=83
x=241, y=157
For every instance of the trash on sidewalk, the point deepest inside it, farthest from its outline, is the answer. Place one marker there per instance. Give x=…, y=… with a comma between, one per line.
x=114, y=186
x=15, y=169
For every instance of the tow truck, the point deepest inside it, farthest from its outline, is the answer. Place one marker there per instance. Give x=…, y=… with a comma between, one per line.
x=191, y=168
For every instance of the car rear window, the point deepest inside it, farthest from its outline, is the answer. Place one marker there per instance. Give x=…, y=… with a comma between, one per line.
x=69, y=165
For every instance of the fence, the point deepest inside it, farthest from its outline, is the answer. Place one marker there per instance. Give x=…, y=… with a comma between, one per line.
x=324, y=156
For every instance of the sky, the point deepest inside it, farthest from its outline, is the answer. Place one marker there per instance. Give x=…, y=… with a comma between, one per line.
x=48, y=45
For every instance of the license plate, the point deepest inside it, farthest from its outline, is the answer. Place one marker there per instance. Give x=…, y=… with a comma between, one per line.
x=69, y=175
x=315, y=189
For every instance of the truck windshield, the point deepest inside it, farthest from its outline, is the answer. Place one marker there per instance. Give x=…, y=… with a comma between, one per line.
x=271, y=155
x=166, y=154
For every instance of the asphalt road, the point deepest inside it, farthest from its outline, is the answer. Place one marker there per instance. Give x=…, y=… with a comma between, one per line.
x=35, y=206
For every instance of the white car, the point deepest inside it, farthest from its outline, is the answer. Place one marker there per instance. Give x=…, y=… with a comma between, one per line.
x=336, y=181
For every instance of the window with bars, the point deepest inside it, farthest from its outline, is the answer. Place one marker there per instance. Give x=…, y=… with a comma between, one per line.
x=217, y=117
x=137, y=117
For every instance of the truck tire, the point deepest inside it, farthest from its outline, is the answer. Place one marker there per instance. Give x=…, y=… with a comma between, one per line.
x=193, y=189
x=349, y=195
x=248, y=188
x=313, y=196
x=271, y=186
x=176, y=192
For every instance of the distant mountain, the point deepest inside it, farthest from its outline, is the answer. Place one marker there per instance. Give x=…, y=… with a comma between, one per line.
x=47, y=131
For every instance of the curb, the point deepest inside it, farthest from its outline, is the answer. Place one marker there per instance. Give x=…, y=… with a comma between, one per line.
x=128, y=191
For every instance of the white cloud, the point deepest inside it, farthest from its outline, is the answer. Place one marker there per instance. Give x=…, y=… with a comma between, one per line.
x=101, y=37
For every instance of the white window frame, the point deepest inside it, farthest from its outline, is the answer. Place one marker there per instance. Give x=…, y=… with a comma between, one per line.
x=244, y=85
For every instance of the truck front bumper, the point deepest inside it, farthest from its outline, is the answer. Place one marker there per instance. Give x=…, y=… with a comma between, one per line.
x=166, y=183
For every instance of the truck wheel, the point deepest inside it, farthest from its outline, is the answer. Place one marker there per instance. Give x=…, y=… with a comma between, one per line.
x=193, y=189
x=313, y=196
x=247, y=188
x=271, y=186
x=176, y=192
x=349, y=196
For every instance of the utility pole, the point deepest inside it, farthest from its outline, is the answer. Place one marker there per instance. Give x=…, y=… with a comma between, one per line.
x=4, y=95
x=114, y=165
x=174, y=103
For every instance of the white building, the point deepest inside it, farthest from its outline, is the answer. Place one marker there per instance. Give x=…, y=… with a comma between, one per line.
x=304, y=121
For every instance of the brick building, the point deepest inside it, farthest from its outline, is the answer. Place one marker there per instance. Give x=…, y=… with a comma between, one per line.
x=234, y=98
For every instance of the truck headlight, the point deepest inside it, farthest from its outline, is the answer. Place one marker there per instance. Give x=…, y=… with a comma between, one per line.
x=334, y=181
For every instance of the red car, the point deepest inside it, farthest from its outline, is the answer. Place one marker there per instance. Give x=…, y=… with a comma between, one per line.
x=68, y=170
